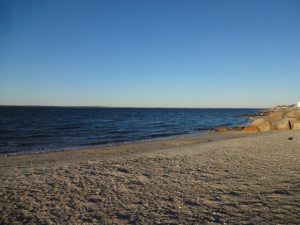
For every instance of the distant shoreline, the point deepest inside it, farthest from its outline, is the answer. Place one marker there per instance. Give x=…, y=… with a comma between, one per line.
x=128, y=107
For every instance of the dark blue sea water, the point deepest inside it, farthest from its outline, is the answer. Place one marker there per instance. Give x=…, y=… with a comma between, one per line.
x=24, y=129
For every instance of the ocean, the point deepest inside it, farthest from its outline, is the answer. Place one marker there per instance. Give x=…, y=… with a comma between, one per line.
x=36, y=129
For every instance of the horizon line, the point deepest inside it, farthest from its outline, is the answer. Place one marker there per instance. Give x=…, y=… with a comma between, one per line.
x=130, y=107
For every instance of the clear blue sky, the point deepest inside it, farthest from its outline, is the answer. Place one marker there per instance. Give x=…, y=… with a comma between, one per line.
x=158, y=53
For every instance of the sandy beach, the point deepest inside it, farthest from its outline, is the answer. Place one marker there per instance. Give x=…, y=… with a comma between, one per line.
x=149, y=112
x=220, y=178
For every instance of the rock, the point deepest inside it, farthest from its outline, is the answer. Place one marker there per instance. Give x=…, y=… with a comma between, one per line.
x=281, y=192
x=258, y=122
x=200, y=129
x=296, y=125
x=248, y=115
x=293, y=114
x=261, y=124
x=123, y=170
x=222, y=129
x=190, y=202
x=283, y=124
x=251, y=129
x=218, y=219
x=237, y=128
x=276, y=116
x=94, y=198
x=123, y=215
x=264, y=113
x=264, y=127
x=290, y=138
x=234, y=193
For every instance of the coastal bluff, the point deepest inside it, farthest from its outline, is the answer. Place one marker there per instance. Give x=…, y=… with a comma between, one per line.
x=277, y=118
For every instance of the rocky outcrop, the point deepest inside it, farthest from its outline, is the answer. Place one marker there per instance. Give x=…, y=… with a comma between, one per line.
x=251, y=129
x=278, y=118
x=258, y=122
x=261, y=124
x=286, y=118
x=294, y=114
x=283, y=124
x=263, y=113
x=296, y=125
x=264, y=127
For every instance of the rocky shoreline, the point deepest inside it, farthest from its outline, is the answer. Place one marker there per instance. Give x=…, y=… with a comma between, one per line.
x=278, y=118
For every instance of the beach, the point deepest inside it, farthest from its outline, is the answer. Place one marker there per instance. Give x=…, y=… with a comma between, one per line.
x=219, y=178
x=149, y=112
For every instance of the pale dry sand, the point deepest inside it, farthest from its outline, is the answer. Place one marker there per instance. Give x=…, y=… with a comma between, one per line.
x=231, y=178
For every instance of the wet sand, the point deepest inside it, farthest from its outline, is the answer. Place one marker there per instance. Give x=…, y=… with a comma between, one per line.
x=230, y=178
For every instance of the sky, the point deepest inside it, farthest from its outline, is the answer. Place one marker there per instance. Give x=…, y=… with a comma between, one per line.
x=158, y=53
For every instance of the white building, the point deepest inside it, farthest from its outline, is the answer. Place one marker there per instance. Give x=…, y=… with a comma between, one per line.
x=298, y=104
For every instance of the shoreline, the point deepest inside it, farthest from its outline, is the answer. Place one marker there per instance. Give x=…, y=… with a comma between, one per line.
x=120, y=149
x=101, y=146
x=60, y=137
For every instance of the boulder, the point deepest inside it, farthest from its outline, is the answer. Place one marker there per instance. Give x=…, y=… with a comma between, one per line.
x=293, y=114
x=258, y=122
x=237, y=128
x=283, y=124
x=276, y=116
x=222, y=129
x=264, y=127
x=264, y=113
x=296, y=125
x=261, y=124
x=251, y=129
x=248, y=115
